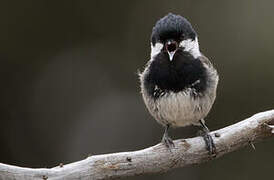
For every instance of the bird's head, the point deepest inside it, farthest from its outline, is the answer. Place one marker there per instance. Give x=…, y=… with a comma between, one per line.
x=171, y=34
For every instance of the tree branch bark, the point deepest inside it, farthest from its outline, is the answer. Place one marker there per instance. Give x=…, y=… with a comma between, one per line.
x=154, y=159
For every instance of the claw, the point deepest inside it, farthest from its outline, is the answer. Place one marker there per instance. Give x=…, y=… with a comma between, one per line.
x=167, y=141
x=210, y=146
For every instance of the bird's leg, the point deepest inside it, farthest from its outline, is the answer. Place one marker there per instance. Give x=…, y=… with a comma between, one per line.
x=210, y=146
x=166, y=139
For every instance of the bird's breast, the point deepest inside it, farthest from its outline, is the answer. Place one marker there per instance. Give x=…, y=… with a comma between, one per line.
x=177, y=75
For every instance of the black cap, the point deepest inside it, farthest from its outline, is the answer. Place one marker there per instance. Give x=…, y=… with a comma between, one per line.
x=173, y=27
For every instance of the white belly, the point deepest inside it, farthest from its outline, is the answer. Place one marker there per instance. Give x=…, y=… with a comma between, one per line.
x=180, y=109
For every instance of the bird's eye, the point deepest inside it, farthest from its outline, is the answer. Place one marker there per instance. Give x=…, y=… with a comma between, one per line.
x=171, y=46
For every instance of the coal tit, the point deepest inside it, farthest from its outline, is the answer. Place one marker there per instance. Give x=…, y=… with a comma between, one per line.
x=178, y=83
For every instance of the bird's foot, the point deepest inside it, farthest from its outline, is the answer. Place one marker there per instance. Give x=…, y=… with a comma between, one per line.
x=210, y=146
x=167, y=141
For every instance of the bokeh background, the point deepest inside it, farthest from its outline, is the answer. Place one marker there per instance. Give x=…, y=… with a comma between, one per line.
x=69, y=86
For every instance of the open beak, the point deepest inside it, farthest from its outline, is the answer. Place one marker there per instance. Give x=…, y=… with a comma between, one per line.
x=171, y=48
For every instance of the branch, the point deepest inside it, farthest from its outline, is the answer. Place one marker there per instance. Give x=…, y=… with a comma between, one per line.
x=154, y=159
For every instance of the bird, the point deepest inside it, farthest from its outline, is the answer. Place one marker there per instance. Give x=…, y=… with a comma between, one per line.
x=178, y=83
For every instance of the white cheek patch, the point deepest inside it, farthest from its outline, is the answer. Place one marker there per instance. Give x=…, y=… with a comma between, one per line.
x=191, y=46
x=156, y=49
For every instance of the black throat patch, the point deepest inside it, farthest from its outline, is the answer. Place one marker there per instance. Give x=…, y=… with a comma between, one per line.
x=182, y=72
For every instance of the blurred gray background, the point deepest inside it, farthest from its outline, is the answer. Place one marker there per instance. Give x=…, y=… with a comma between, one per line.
x=69, y=86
